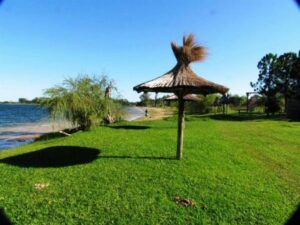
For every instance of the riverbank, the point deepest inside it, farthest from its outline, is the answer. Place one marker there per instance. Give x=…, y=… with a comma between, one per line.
x=20, y=134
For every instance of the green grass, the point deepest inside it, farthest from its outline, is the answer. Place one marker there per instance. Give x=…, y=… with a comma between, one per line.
x=236, y=171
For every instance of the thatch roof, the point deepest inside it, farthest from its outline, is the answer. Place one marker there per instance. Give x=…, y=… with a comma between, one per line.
x=181, y=79
x=189, y=97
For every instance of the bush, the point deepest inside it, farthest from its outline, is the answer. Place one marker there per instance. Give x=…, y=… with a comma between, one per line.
x=81, y=100
x=205, y=105
x=272, y=105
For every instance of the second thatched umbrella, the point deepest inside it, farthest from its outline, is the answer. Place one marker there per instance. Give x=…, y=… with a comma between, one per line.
x=186, y=98
x=181, y=80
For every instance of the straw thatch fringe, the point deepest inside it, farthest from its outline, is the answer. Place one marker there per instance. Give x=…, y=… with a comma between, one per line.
x=181, y=79
x=189, y=52
x=190, y=97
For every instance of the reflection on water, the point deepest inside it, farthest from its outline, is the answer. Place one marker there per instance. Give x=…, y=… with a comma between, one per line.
x=133, y=113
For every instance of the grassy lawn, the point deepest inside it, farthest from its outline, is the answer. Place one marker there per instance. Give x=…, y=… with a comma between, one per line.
x=236, y=171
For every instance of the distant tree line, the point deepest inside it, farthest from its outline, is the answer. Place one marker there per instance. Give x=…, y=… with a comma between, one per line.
x=278, y=78
x=36, y=100
x=206, y=104
x=146, y=100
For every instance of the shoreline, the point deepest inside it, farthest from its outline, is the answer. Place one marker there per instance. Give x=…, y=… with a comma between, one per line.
x=14, y=136
x=156, y=113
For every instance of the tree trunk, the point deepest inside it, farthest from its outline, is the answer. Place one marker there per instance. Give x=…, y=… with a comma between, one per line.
x=180, y=126
x=267, y=106
x=247, y=102
x=285, y=103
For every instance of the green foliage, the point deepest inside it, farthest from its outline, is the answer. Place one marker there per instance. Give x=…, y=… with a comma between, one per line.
x=277, y=75
x=296, y=68
x=205, y=105
x=267, y=80
x=237, y=170
x=284, y=66
x=80, y=100
x=23, y=100
x=145, y=99
x=272, y=104
x=295, y=74
x=267, y=83
x=237, y=101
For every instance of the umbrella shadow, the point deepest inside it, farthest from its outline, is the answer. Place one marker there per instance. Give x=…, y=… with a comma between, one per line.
x=130, y=127
x=4, y=219
x=53, y=157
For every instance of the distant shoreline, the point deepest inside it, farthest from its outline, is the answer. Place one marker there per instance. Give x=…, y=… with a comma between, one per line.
x=17, y=103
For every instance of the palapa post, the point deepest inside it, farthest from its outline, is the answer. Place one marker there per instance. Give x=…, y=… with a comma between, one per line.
x=181, y=100
x=180, y=126
x=181, y=81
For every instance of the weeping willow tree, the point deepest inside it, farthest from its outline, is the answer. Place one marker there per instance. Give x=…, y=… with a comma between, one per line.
x=81, y=100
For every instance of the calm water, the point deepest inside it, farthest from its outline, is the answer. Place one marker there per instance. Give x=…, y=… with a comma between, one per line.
x=133, y=113
x=13, y=119
x=19, y=121
x=11, y=115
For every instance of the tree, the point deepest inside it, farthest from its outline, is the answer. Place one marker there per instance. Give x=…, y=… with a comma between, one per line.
x=295, y=74
x=145, y=99
x=267, y=81
x=80, y=100
x=23, y=100
x=286, y=85
x=296, y=68
x=205, y=105
x=236, y=100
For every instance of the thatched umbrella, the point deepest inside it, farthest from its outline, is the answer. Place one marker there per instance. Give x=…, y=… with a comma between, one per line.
x=189, y=97
x=181, y=80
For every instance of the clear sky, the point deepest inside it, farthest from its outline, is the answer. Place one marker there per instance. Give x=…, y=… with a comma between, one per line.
x=43, y=42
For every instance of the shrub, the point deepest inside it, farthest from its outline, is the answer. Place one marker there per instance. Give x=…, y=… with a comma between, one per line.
x=80, y=100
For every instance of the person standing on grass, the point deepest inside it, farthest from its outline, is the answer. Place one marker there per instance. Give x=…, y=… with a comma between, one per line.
x=146, y=113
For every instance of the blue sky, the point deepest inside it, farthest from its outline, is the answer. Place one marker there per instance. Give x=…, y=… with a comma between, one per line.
x=43, y=42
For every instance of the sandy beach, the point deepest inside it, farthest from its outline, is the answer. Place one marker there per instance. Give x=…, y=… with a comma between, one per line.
x=31, y=130
x=156, y=113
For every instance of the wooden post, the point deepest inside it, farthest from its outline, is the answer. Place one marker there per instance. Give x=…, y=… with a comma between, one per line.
x=180, y=126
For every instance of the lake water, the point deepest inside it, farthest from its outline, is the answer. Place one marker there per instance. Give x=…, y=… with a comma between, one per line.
x=14, y=118
x=20, y=124
x=133, y=112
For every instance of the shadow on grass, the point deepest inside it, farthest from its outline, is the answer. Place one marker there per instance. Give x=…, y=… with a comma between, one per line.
x=248, y=117
x=56, y=134
x=129, y=127
x=57, y=156
x=4, y=219
x=136, y=157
